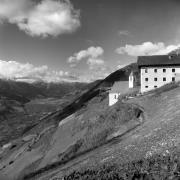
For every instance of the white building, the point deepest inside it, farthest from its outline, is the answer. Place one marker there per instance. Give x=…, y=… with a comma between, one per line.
x=156, y=71
x=119, y=88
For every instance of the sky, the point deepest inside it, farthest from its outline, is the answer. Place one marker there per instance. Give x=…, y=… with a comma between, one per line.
x=82, y=40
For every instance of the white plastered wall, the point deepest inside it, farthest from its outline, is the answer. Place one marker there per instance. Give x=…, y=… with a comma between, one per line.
x=151, y=83
x=113, y=98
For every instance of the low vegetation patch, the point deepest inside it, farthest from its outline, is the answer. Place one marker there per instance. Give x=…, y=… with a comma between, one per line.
x=156, y=167
x=104, y=123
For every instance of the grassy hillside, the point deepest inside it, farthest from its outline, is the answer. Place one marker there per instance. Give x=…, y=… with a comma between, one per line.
x=157, y=167
x=23, y=105
x=66, y=133
x=150, y=152
x=74, y=135
x=157, y=135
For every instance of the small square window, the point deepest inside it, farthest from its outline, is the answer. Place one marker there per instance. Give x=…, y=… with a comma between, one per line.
x=146, y=86
x=164, y=70
x=155, y=86
x=155, y=70
x=146, y=79
x=146, y=71
x=164, y=79
x=155, y=79
x=173, y=79
x=173, y=70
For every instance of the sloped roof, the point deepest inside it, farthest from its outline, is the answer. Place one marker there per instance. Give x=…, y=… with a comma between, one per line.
x=158, y=60
x=120, y=87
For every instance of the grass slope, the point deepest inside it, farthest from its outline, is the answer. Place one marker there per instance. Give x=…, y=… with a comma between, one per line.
x=91, y=114
x=158, y=135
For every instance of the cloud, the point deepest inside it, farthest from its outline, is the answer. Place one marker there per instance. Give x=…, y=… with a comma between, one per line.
x=93, y=52
x=146, y=48
x=91, y=56
x=123, y=33
x=26, y=72
x=48, y=17
x=93, y=62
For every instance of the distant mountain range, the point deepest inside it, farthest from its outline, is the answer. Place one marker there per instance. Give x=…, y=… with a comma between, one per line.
x=24, y=92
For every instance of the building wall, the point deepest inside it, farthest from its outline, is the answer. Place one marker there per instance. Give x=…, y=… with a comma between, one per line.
x=113, y=98
x=151, y=83
x=118, y=88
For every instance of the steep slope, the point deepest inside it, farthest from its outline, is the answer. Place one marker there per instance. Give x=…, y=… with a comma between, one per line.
x=34, y=151
x=73, y=137
x=22, y=105
x=158, y=134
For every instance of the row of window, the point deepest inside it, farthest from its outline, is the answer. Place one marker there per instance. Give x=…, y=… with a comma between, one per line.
x=155, y=70
x=164, y=79
x=148, y=86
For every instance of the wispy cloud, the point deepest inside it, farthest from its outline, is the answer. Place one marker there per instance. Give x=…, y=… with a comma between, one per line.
x=92, y=56
x=146, y=48
x=27, y=71
x=94, y=62
x=123, y=33
x=48, y=17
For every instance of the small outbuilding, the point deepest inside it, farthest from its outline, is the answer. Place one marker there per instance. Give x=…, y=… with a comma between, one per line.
x=123, y=87
x=118, y=88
